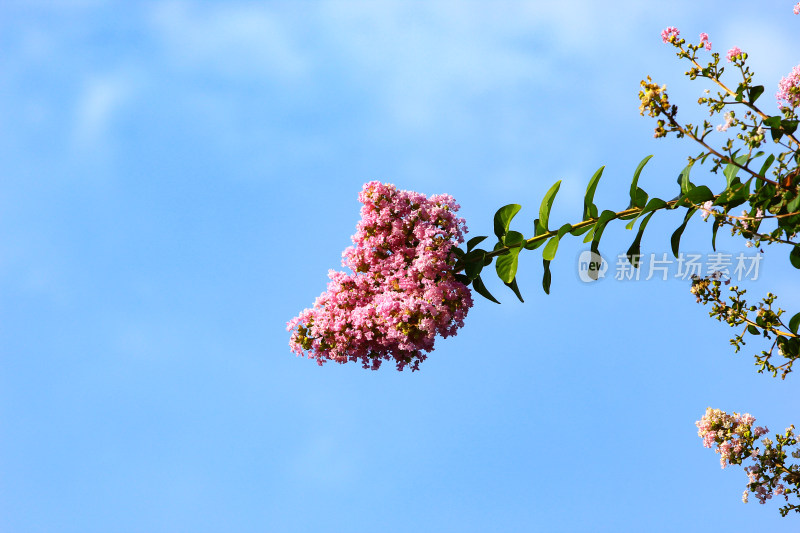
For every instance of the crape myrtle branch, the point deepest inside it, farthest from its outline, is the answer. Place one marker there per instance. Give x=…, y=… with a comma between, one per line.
x=737, y=440
x=766, y=323
x=777, y=199
x=782, y=207
x=714, y=75
x=655, y=102
x=510, y=243
x=747, y=226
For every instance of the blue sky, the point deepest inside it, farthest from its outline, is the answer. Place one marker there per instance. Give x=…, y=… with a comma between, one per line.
x=176, y=179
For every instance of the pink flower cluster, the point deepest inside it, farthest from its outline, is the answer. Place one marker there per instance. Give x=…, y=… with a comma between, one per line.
x=704, y=41
x=789, y=88
x=731, y=434
x=402, y=292
x=762, y=489
x=733, y=53
x=796, y=9
x=669, y=34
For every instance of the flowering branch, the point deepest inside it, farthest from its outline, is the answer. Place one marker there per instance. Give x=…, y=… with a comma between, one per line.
x=766, y=323
x=735, y=439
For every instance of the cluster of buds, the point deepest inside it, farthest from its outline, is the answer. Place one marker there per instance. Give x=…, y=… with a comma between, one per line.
x=654, y=101
x=709, y=290
x=402, y=292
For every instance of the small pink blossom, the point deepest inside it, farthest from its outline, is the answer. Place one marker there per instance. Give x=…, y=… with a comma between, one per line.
x=704, y=40
x=789, y=88
x=707, y=209
x=733, y=53
x=728, y=122
x=796, y=9
x=670, y=34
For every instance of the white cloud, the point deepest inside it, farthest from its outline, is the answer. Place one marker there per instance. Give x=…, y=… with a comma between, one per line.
x=442, y=61
x=101, y=98
x=425, y=61
x=229, y=39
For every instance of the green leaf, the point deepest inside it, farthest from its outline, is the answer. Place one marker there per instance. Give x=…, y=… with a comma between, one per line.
x=635, y=250
x=792, y=206
x=683, y=178
x=461, y=278
x=653, y=205
x=513, y=238
x=589, y=209
x=547, y=204
x=735, y=195
x=699, y=195
x=775, y=127
x=676, y=237
x=739, y=94
x=513, y=287
x=481, y=289
x=794, y=323
x=546, y=277
x=714, y=229
x=638, y=196
x=605, y=217
x=473, y=263
x=783, y=345
x=794, y=256
x=754, y=92
x=590, y=235
x=753, y=330
x=549, y=251
x=459, y=253
x=506, y=265
x=534, y=245
x=766, y=165
x=473, y=242
x=502, y=219
x=789, y=126
x=563, y=230
x=577, y=232
x=732, y=169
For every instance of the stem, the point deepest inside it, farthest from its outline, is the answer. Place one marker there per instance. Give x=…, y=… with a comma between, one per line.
x=552, y=233
x=723, y=158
